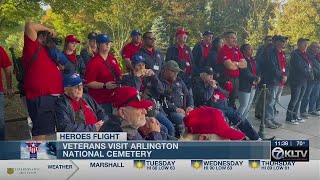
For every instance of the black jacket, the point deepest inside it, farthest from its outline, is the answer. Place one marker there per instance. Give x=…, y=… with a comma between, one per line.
x=79, y=67
x=315, y=66
x=65, y=115
x=85, y=56
x=246, y=78
x=156, y=63
x=151, y=84
x=199, y=60
x=173, y=54
x=176, y=95
x=202, y=93
x=270, y=66
x=300, y=70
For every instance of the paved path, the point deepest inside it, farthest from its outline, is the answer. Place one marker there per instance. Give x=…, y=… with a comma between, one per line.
x=310, y=130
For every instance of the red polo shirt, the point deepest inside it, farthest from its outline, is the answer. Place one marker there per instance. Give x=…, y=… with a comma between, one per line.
x=283, y=64
x=97, y=71
x=234, y=55
x=42, y=76
x=130, y=49
x=4, y=63
x=184, y=56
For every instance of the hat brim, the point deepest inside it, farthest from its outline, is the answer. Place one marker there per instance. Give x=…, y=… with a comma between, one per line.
x=73, y=40
x=75, y=83
x=144, y=104
x=175, y=69
x=136, y=34
x=231, y=134
x=182, y=33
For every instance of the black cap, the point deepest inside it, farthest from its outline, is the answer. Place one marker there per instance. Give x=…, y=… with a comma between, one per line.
x=92, y=35
x=207, y=33
x=279, y=38
x=301, y=40
x=208, y=70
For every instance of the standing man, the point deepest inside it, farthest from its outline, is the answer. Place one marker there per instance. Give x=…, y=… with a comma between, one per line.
x=233, y=60
x=274, y=72
x=43, y=80
x=181, y=53
x=131, y=48
x=154, y=59
x=5, y=63
x=300, y=73
x=201, y=51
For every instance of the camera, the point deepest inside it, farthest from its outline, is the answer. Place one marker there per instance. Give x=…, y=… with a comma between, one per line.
x=55, y=41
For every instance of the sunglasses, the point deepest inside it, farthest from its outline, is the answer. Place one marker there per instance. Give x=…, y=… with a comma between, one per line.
x=133, y=98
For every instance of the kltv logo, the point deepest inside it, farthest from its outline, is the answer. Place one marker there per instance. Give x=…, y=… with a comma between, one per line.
x=284, y=154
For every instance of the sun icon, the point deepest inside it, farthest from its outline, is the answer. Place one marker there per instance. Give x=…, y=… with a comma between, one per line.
x=139, y=165
x=254, y=165
x=196, y=165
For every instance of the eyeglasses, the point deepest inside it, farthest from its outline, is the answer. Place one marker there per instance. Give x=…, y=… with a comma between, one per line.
x=133, y=98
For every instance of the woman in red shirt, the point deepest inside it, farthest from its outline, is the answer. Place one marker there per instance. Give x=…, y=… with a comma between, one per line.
x=103, y=74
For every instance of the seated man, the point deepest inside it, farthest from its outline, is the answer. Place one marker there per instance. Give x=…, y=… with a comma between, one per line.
x=207, y=123
x=129, y=115
x=206, y=92
x=148, y=84
x=76, y=111
x=178, y=101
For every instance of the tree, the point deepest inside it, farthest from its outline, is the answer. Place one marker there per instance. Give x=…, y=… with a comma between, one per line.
x=297, y=19
x=160, y=28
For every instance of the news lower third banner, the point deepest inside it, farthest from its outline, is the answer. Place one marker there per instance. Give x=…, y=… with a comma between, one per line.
x=134, y=150
x=147, y=169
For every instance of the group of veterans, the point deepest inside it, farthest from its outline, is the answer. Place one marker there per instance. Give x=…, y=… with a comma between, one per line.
x=183, y=94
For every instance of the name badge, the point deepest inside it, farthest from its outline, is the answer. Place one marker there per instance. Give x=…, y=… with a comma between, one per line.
x=155, y=67
x=187, y=63
x=283, y=69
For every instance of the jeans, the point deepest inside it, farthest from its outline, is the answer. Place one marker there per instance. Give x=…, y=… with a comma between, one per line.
x=234, y=94
x=162, y=118
x=2, y=122
x=177, y=121
x=297, y=92
x=306, y=100
x=245, y=100
x=315, y=94
x=273, y=92
x=107, y=107
x=236, y=118
x=278, y=96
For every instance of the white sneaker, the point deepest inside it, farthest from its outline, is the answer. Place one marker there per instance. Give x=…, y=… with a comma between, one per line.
x=293, y=122
x=29, y=123
x=300, y=120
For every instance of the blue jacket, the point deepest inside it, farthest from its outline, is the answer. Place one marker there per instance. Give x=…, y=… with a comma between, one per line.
x=300, y=70
x=270, y=66
x=246, y=78
x=177, y=95
x=65, y=115
x=315, y=66
x=156, y=62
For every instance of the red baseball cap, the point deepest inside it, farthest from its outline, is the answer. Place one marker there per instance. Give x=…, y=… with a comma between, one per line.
x=208, y=120
x=181, y=31
x=71, y=38
x=129, y=96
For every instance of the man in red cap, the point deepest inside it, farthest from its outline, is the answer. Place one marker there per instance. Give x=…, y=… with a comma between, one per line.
x=130, y=116
x=182, y=54
x=208, y=123
x=131, y=48
x=75, y=63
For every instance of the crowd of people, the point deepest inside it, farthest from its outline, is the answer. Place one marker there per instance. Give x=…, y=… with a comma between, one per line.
x=183, y=94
